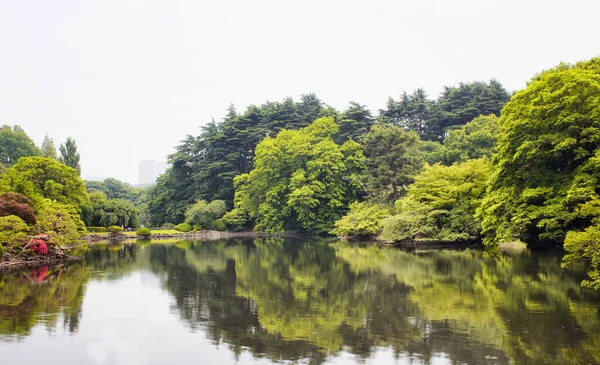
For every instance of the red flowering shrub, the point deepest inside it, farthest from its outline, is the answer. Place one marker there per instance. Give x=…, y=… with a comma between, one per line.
x=19, y=205
x=39, y=246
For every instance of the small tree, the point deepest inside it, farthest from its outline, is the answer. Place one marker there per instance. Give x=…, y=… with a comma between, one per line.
x=203, y=214
x=69, y=155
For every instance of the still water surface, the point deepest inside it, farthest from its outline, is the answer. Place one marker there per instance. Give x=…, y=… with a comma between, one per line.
x=304, y=302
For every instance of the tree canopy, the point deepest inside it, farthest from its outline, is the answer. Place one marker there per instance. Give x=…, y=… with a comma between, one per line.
x=545, y=179
x=41, y=178
x=392, y=160
x=14, y=144
x=69, y=155
x=301, y=179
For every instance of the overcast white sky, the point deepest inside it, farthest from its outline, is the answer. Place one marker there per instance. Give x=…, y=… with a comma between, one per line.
x=129, y=79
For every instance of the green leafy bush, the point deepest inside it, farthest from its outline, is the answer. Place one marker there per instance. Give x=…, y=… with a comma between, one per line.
x=363, y=219
x=96, y=229
x=235, y=219
x=184, y=227
x=143, y=232
x=219, y=225
x=61, y=222
x=13, y=234
x=203, y=213
x=168, y=226
x=441, y=204
x=115, y=229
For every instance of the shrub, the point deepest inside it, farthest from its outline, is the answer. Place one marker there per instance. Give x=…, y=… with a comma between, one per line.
x=235, y=219
x=61, y=222
x=203, y=213
x=115, y=229
x=168, y=226
x=143, y=232
x=19, y=205
x=39, y=246
x=363, y=219
x=96, y=229
x=219, y=225
x=13, y=234
x=183, y=227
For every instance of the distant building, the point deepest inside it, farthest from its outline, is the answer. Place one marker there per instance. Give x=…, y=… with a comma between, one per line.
x=150, y=170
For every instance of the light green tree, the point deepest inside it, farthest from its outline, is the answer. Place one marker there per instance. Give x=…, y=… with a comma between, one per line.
x=545, y=180
x=441, y=204
x=301, y=179
x=41, y=178
x=203, y=214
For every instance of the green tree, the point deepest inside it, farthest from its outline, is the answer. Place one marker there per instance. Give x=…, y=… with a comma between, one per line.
x=301, y=179
x=411, y=112
x=441, y=204
x=546, y=174
x=14, y=144
x=457, y=106
x=47, y=149
x=40, y=178
x=355, y=122
x=392, y=159
x=203, y=214
x=69, y=155
x=475, y=139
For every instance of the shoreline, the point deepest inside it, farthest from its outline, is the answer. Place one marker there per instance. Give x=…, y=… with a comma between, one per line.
x=9, y=262
x=188, y=235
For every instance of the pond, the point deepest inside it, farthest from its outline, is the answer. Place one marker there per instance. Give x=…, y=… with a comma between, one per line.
x=259, y=301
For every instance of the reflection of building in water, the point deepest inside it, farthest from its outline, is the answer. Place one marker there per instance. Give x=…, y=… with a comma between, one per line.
x=150, y=170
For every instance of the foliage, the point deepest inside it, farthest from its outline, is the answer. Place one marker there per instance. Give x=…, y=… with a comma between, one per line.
x=41, y=178
x=411, y=112
x=433, y=152
x=114, y=189
x=236, y=219
x=2, y=168
x=456, y=106
x=546, y=170
x=103, y=212
x=115, y=229
x=13, y=234
x=168, y=226
x=441, y=204
x=203, y=166
x=354, y=123
x=301, y=179
x=69, y=155
x=363, y=219
x=47, y=149
x=143, y=232
x=14, y=144
x=202, y=213
x=219, y=225
x=61, y=222
x=392, y=160
x=184, y=227
x=473, y=140
x=19, y=205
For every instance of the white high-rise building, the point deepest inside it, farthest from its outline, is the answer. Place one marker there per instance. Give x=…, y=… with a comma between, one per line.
x=150, y=170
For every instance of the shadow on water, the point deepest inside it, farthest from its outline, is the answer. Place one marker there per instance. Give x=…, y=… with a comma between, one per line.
x=310, y=300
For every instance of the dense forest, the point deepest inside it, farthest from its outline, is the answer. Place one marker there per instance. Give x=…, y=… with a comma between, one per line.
x=474, y=164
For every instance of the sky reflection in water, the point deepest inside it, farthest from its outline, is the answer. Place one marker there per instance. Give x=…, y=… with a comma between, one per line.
x=264, y=300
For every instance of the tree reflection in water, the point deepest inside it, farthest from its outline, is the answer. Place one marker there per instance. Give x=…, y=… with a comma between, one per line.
x=311, y=299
